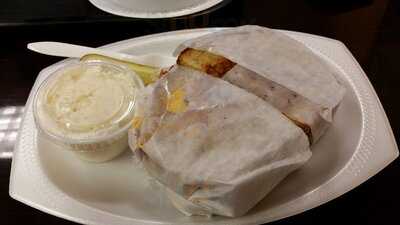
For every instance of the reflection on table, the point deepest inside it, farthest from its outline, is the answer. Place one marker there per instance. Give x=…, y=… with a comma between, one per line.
x=10, y=120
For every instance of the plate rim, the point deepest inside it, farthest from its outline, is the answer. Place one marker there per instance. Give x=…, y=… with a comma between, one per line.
x=120, y=45
x=176, y=13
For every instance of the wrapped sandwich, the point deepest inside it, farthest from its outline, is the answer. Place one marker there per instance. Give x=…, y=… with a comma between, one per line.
x=235, y=116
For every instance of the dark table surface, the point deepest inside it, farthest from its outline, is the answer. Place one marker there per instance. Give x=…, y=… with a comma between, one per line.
x=369, y=28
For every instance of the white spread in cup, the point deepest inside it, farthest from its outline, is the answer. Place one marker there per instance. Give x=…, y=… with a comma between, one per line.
x=88, y=107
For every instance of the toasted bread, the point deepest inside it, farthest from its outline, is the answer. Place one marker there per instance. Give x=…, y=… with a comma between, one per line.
x=206, y=62
x=218, y=66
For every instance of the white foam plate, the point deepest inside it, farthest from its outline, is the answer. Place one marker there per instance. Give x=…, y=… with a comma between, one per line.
x=358, y=145
x=153, y=8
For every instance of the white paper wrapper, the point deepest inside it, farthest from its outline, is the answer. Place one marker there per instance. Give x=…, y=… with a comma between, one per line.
x=280, y=70
x=277, y=57
x=220, y=145
x=217, y=148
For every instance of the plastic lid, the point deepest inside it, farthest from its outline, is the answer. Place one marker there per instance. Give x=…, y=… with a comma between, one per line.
x=86, y=102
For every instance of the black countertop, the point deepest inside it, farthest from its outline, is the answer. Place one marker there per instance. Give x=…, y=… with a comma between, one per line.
x=370, y=29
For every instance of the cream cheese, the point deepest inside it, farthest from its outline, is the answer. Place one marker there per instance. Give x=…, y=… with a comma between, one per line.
x=87, y=106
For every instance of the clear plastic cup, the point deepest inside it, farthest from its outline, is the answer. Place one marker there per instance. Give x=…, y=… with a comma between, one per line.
x=87, y=108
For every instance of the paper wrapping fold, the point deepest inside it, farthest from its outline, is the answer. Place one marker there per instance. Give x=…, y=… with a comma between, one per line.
x=278, y=69
x=221, y=145
x=218, y=148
